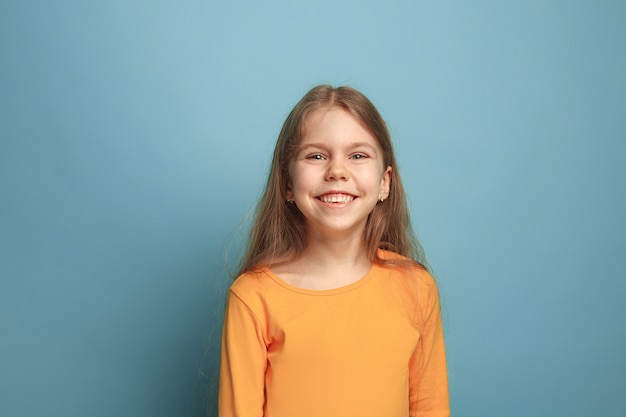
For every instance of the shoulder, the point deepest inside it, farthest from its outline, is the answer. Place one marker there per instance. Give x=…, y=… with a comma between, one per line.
x=404, y=268
x=250, y=282
x=247, y=292
x=415, y=286
x=258, y=288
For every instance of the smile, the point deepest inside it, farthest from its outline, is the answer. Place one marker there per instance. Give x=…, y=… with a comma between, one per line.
x=336, y=198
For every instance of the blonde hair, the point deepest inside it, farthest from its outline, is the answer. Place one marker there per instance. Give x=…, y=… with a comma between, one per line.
x=278, y=231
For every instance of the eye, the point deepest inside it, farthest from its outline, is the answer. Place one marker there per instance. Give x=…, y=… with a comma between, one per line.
x=358, y=155
x=316, y=156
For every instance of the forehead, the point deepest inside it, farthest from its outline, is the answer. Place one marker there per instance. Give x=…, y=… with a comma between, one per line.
x=335, y=124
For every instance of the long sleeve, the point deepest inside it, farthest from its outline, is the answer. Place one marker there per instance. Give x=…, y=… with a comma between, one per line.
x=428, y=378
x=243, y=362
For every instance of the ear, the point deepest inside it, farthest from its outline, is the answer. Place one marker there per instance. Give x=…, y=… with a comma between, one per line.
x=385, y=184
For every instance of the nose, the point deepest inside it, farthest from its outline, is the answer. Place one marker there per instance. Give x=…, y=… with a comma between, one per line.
x=337, y=170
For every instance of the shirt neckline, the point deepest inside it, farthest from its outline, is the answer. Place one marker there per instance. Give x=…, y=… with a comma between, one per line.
x=332, y=291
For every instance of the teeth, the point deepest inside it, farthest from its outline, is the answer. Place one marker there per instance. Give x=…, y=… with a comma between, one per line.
x=336, y=198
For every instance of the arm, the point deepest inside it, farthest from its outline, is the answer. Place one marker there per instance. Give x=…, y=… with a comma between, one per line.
x=243, y=362
x=428, y=376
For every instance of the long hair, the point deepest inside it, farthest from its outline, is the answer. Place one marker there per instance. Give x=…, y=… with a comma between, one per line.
x=278, y=231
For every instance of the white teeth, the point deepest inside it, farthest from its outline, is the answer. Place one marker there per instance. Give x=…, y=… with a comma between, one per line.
x=337, y=198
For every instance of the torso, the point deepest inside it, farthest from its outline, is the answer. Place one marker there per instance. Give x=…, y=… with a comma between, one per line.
x=332, y=350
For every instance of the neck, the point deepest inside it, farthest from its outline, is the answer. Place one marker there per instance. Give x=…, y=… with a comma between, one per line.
x=327, y=262
x=336, y=253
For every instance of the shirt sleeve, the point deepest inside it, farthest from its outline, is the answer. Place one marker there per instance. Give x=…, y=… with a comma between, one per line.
x=428, y=375
x=243, y=362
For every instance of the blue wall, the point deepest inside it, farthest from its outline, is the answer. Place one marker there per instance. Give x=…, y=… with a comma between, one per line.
x=134, y=137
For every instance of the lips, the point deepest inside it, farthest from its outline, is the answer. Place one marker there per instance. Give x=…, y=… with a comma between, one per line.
x=336, y=198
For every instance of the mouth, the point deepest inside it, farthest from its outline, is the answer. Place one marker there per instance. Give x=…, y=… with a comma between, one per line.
x=337, y=198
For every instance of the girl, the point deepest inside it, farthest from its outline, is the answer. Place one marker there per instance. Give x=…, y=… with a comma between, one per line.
x=334, y=313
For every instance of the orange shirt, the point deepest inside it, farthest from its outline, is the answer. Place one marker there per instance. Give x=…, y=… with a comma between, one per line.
x=373, y=348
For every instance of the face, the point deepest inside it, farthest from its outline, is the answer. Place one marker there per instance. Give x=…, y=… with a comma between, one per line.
x=338, y=174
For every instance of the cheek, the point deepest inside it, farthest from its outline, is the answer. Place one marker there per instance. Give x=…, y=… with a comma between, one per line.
x=370, y=176
x=300, y=179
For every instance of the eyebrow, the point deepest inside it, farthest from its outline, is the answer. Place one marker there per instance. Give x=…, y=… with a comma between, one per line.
x=351, y=145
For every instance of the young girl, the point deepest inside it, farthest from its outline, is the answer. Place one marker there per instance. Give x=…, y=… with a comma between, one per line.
x=333, y=314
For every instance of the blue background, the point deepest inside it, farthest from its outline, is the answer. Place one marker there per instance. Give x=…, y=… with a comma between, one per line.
x=135, y=137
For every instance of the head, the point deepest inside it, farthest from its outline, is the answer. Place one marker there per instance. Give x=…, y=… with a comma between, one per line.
x=279, y=233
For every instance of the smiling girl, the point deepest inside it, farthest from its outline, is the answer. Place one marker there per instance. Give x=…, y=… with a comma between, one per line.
x=334, y=313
